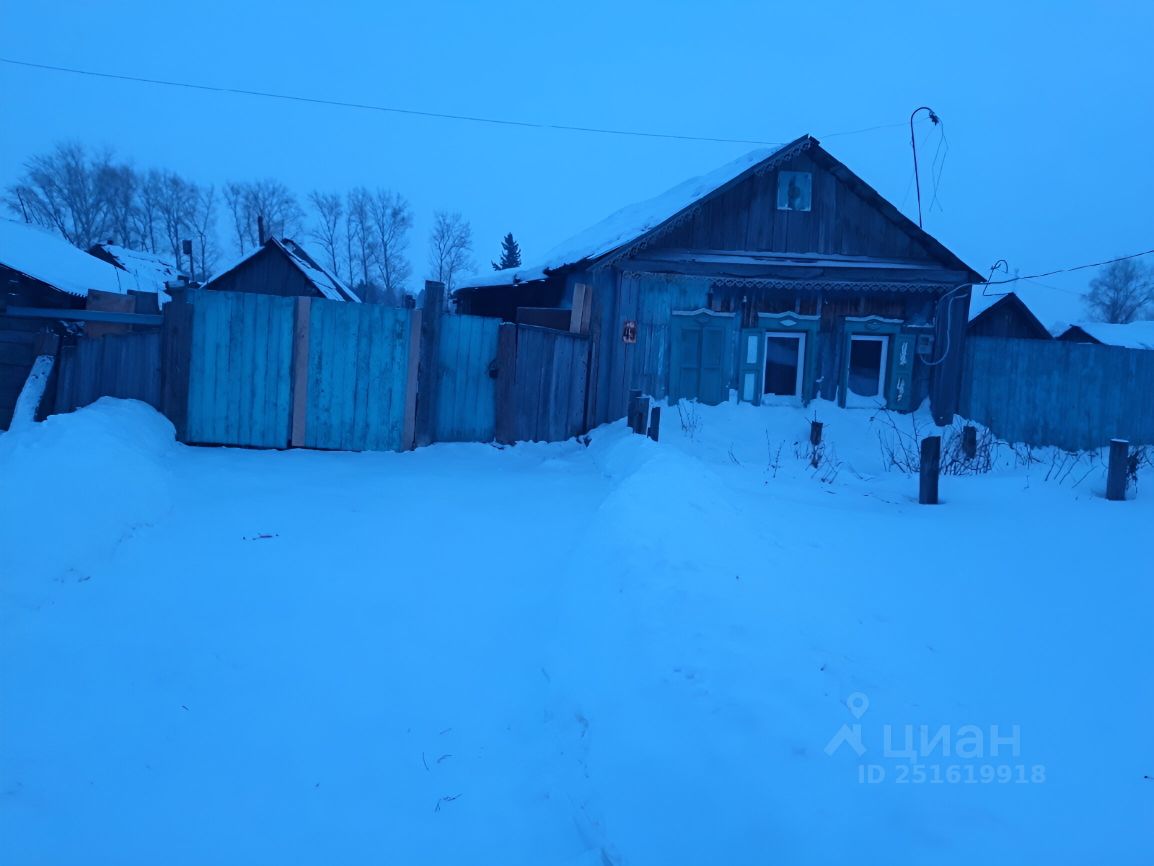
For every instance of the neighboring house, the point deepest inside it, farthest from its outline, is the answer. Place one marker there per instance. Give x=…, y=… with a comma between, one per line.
x=782, y=276
x=151, y=272
x=1136, y=335
x=282, y=267
x=1003, y=315
x=39, y=269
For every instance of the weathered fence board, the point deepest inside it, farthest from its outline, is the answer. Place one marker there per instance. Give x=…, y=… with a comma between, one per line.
x=120, y=365
x=545, y=400
x=1072, y=395
x=358, y=376
x=465, y=403
x=240, y=370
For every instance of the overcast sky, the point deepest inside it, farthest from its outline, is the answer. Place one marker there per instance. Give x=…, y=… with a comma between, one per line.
x=1048, y=110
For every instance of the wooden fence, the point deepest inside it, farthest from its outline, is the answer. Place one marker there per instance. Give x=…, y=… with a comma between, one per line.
x=117, y=365
x=266, y=371
x=1072, y=395
x=543, y=383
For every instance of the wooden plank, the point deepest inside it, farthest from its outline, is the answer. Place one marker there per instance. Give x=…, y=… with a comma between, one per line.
x=302, y=312
x=413, y=364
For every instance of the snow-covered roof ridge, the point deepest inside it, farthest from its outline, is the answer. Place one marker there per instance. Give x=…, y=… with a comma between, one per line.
x=1135, y=335
x=45, y=256
x=631, y=222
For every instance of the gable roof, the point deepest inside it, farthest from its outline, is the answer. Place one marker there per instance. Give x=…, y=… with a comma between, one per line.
x=1135, y=335
x=322, y=279
x=983, y=305
x=634, y=224
x=46, y=257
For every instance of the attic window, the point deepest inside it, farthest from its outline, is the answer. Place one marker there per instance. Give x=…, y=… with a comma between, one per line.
x=794, y=190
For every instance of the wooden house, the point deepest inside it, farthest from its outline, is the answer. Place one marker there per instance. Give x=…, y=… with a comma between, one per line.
x=1003, y=315
x=282, y=267
x=780, y=277
x=1135, y=335
x=40, y=272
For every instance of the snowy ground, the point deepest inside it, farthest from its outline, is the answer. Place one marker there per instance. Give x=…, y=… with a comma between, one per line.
x=626, y=653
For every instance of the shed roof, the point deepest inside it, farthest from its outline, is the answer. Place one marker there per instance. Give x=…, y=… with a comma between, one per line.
x=151, y=272
x=1135, y=335
x=45, y=256
x=323, y=280
x=634, y=222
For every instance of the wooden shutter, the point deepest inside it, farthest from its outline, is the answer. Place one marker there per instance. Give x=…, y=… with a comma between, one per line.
x=750, y=365
x=685, y=369
x=900, y=395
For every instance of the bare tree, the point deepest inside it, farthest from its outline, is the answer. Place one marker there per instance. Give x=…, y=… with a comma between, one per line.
x=118, y=187
x=327, y=229
x=392, y=220
x=264, y=203
x=175, y=206
x=450, y=246
x=1122, y=292
x=150, y=190
x=361, y=240
x=62, y=189
x=202, y=221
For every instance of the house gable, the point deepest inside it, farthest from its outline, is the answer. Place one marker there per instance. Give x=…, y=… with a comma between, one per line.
x=846, y=218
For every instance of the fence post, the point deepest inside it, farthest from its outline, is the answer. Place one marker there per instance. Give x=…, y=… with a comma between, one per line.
x=655, y=423
x=930, y=467
x=302, y=316
x=433, y=309
x=815, y=428
x=970, y=441
x=638, y=411
x=1116, y=473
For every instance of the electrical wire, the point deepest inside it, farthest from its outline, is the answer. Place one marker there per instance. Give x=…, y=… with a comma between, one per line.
x=412, y=112
x=1071, y=269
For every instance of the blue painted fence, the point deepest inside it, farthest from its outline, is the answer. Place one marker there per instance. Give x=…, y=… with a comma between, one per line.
x=358, y=371
x=465, y=407
x=265, y=372
x=240, y=370
x=1072, y=395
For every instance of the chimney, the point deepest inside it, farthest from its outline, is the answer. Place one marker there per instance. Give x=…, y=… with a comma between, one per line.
x=260, y=228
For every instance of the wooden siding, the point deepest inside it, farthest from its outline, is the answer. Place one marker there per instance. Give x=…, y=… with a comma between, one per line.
x=840, y=221
x=464, y=406
x=240, y=370
x=1072, y=395
x=268, y=272
x=358, y=370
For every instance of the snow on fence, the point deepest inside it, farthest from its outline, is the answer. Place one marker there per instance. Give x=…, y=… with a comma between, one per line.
x=1072, y=395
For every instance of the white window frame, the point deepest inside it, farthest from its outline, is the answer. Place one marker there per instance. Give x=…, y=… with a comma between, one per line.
x=795, y=397
x=850, y=394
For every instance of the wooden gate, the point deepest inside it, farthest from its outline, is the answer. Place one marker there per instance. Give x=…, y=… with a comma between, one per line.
x=118, y=365
x=542, y=383
x=465, y=400
x=240, y=370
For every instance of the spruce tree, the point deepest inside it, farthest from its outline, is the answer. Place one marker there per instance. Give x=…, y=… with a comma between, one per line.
x=510, y=254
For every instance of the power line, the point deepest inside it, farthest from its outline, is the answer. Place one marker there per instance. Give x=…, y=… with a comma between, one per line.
x=1070, y=270
x=363, y=106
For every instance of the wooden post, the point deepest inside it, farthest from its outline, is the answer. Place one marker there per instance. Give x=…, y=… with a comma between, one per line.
x=638, y=411
x=506, y=388
x=433, y=309
x=970, y=442
x=300, y=372
x=654, y=423
x=1116, y=473
x=578, y=320
x=815, y=428
x=931, y=466
x=410, y=428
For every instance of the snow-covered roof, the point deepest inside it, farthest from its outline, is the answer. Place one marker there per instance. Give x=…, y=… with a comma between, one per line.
x=325, y=282
x=44, y=255
x=1136, y=335
x=626, y=225
x=152, y=272
x=980, y=302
